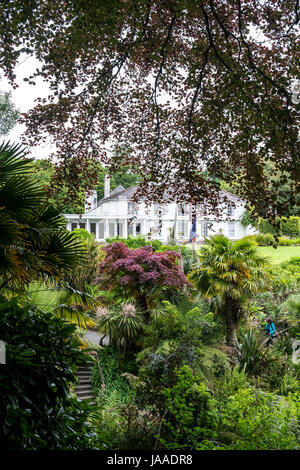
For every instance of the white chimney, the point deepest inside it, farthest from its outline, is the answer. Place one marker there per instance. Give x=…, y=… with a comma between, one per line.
x=90, y=201
x=107, y=186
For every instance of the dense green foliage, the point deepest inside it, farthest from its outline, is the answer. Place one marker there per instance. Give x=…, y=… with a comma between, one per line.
x=37, y=410
x=289, y=227
x=59, y=193
x=33, y=237
x=39, y=260
x=8, y=113
x=169, y=379
x=286, y=226
x=268, y=239
x=185, y=394
x=229, y=273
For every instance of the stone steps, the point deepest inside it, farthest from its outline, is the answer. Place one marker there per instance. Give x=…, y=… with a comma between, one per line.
x=83, y=389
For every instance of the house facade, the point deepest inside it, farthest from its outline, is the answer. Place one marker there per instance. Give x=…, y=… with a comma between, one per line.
x=117, y=215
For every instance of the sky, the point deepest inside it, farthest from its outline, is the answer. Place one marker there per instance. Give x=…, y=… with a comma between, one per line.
x=23, y=98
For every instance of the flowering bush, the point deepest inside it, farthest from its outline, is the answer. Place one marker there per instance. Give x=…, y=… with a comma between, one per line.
x=142, y=274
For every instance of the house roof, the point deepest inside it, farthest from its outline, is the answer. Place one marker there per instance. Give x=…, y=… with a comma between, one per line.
x=120, y=193
x=127, y=194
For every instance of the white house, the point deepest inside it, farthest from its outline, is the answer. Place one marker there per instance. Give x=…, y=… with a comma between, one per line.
x=116, y=214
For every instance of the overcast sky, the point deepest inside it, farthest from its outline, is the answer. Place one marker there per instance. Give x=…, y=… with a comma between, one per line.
x=23, y=97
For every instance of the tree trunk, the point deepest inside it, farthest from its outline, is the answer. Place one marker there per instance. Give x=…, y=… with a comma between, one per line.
x=231, y=329
x=232, y=319
x=144, y=305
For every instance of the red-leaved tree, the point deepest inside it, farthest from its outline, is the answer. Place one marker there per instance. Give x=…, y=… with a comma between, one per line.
x=187, y=93
x=142, y=274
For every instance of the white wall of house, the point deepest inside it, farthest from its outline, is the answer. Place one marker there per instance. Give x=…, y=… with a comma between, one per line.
x=119, y=216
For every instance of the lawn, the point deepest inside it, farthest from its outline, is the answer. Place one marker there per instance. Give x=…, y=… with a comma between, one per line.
x=281, y=253
x=276, y=255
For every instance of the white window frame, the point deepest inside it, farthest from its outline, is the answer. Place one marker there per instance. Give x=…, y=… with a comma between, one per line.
x=204, y=229
x=231, y=229
x=181, y=228
x=230, y=210
x=182, y=209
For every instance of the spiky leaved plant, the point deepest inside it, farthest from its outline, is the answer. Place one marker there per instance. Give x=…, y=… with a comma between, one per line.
x=121, y=325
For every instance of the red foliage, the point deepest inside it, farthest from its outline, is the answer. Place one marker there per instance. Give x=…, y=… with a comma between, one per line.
x=179, y=89
x=141, y=273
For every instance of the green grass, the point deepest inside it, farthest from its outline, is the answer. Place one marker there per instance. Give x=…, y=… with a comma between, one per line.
x=279, y=254
x=276, y=255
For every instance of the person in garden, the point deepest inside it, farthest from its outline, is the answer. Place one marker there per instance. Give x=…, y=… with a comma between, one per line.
x=270, y=330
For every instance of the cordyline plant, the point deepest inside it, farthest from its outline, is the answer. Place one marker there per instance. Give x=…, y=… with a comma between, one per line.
x=176, y=87
x=142, y=274
x=122, y=325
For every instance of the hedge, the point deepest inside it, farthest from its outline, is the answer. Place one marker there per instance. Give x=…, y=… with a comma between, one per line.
x=268, y=239
x=289, y=227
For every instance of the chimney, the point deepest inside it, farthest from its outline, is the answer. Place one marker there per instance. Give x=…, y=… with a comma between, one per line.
x=90, y=200
x=107, y=186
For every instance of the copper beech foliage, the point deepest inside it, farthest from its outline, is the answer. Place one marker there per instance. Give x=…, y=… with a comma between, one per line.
x=179, y=88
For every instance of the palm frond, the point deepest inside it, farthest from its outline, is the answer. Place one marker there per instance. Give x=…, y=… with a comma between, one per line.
x=12, y=161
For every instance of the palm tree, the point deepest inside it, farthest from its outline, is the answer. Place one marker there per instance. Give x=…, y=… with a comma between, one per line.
x=61, y=300
x=34, y=243
x=230, y=272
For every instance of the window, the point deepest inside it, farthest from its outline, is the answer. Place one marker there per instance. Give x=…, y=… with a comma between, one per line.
x=231, y=229
x=204, y=229
x=130, y=207
x=130, y=229
x=181, y=228
x=82, y=225
x=157, y=210
x=73, y=225
x=93, y=228
x=138, y=228
x=203, y=210
x=101, y=230
x=230, y=209
x=112, y=230
x=181, y=208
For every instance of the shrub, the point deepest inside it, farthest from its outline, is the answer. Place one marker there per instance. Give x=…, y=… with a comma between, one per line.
x=290, y=226
x=286, y=226
x=142, y=274
x=292, y=265
x=187, y=412
x=119, y=422
x=157, y=245
x=255, y=420
x=179, y=335
x=284, y=241
x=267, y=239
x=130, y=241
x=36, y=408
x=264, y=226
x=249, y=351
x=123, y=326
x=117, y=390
